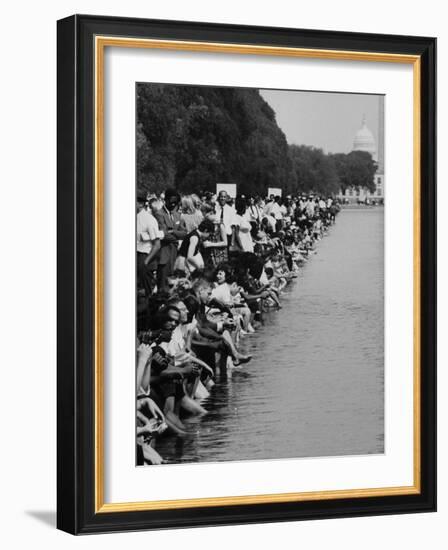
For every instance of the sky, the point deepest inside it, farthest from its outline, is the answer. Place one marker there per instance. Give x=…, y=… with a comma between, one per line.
x=325, y=120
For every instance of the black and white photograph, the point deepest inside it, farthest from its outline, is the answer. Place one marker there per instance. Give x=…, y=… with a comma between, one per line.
x=260, y=274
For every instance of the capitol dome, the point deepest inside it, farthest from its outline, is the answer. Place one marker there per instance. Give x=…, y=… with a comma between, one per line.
x=364, y=140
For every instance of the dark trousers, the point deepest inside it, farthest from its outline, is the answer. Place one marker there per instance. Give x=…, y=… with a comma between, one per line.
x=163, y=272
x=145, y=278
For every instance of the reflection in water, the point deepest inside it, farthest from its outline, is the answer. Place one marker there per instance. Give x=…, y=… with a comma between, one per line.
x=315, y=386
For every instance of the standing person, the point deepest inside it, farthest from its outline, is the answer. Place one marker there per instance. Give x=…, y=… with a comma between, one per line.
x=226, y=214
x=310, y=207
x=154, y=205
x=148, y=245
x=243, y=238
x=209, y=199
x=215, y=249
x=254, y=215
x=191, y=215
x=285, y=210
x=197, y=203
x=269, y=205
x=277, y=212
x=252, y=211
x=272, y=209
x=174, y=230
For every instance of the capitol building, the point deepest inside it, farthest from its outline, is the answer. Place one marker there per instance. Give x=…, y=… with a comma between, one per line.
x=365, y=141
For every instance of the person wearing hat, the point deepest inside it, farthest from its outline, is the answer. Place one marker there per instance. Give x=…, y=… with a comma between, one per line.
x=148, y=244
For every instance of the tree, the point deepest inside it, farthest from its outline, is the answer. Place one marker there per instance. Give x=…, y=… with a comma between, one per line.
x=357, y=169
x=315, y=170
x=193, y=137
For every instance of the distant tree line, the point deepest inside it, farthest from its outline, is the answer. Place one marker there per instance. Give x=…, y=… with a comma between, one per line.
x=192, y=137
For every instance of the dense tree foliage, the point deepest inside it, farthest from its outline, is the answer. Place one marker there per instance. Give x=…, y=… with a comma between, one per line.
x=326, y=173
x=357, y=169
x=315, y=171
x=192, y=137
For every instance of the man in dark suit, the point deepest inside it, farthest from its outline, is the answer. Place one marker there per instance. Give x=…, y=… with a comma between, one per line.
x=174, y=230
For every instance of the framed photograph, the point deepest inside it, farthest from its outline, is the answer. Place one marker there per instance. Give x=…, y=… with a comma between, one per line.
x=247, y=274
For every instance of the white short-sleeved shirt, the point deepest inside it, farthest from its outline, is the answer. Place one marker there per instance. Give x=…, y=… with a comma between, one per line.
x=177, y=343
x=273, y=209
x=147, y=231
x=226, y=214
x=264, y=278
x=222, y=293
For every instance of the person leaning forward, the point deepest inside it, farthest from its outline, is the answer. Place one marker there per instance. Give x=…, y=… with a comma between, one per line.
x=173, y=227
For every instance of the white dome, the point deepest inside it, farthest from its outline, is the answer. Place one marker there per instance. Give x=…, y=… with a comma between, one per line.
x=364, y=140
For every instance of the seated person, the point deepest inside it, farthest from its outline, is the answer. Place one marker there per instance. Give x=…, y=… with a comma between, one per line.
x=150, y=423
x=281, y=270
x=278, y=283
x=209, y=331
x=253, y=287
x=222, y=294
x=150, y=419
x=166, y=379
x=179, y=347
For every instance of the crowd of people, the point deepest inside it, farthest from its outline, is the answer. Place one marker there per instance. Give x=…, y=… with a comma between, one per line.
x=207, y=268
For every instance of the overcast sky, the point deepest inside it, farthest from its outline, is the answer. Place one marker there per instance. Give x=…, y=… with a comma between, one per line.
x=323, y=119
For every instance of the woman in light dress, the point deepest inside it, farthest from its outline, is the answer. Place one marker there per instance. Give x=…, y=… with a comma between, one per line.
x=243, y=238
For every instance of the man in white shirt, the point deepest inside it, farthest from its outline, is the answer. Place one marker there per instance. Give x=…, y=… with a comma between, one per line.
x=225, y=214
x=253, y=212
x=268, y=206
x=275, y=211
x=148, y=244
x=309, y=208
